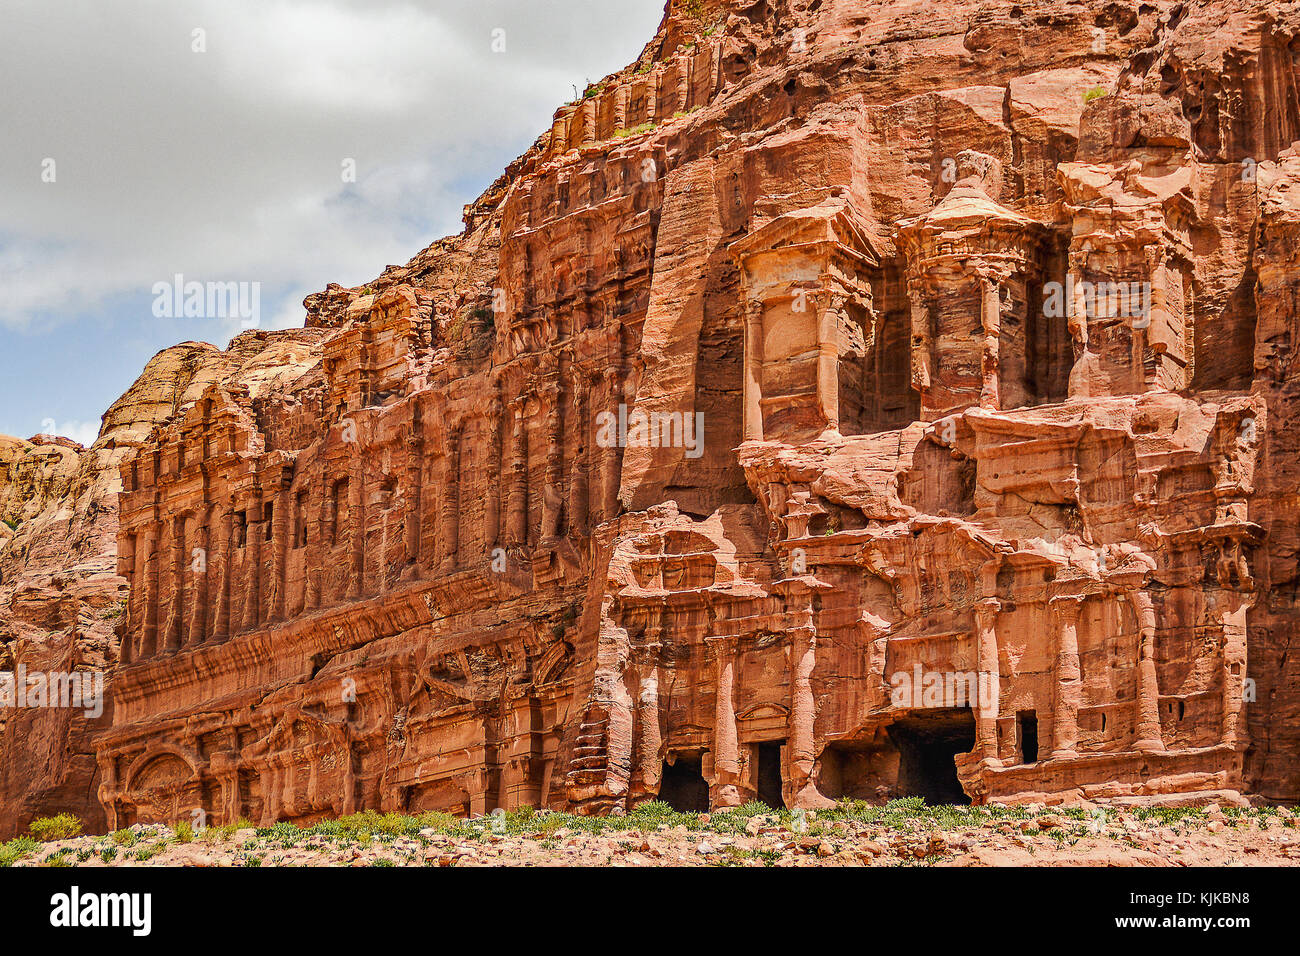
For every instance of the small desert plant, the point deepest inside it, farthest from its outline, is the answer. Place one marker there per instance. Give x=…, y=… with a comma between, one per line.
x=184, y=832
x=634, y=131
x=61, y=827
x=1096, y=93
x=16, y=849
x=148, y=852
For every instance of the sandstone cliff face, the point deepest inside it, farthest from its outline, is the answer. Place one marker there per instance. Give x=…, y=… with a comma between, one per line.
x=831, y=347
x=62, y=602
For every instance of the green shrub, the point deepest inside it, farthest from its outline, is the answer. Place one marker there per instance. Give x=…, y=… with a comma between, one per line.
x=62, y=827
x=184, y=832
x=1096, y=93
x=16, y=849
x=634, y=131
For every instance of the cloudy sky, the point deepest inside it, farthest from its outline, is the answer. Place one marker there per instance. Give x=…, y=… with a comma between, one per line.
x=213, y=139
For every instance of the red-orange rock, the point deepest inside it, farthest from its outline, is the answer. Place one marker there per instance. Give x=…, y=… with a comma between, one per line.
x=847, y=400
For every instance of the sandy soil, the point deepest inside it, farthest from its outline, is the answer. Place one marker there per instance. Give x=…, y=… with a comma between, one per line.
x=897, y=835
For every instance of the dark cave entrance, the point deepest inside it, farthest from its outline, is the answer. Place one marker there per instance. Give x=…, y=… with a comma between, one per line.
x=683, y=786
x=1027, y=734
x=769, y=775
x=927, y=745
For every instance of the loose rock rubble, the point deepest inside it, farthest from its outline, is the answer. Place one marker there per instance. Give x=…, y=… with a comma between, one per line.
x=1028, y=836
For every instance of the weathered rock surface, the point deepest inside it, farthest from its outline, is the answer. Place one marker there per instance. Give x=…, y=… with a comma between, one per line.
x=846, y=400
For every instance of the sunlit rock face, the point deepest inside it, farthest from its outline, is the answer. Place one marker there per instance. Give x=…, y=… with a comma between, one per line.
x=845, y=400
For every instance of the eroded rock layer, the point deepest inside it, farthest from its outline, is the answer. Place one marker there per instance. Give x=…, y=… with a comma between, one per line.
x=849, y=399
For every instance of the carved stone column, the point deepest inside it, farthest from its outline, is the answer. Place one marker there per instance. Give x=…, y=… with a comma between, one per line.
x=517, y=511
x=611, y=457
x=1234, y=665
x=126, y=567
x=357, y=518
x=222, y=766
x=176, y=577
x=415, y=492
x=990, y=676
x=753, y=407
x=253, y=534
x=922, y=340
x=1149, y=737
x=726, y=747
x=221, y=583
x=551, y=502
x=153, y=578
x=828, y=359
x=492, y=506
x=202, y=573
x=1142, y=326
x=1077, y=315
x=991, y=320
x=803, y=717
x=647, y=773
x=579, y=486
x=1068, y=686
x=319, y=541
x=451, y=500
x=278, y=530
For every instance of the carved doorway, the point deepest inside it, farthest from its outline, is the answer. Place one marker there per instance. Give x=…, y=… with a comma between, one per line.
x=683, y=786
x=927, y=746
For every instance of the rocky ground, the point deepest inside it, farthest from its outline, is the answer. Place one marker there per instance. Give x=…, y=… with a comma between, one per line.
x=903, y=833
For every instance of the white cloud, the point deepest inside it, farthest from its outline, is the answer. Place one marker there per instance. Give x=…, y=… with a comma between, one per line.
x=225, y=165
x=83, y=432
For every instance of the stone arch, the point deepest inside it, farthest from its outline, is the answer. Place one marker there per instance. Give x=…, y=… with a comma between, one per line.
x=164, y=785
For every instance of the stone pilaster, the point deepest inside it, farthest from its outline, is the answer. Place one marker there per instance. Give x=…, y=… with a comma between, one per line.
x=648, y=767
x=1068, y=685
x=990, y=678
x=725, y=789
x=1149, y=737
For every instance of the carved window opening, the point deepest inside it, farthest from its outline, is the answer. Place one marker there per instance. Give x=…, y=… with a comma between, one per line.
x=268, y=520
x=1027, y=735
x=240, y=529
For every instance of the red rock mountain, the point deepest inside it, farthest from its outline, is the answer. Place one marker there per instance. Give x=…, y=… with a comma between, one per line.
x=847, y=399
